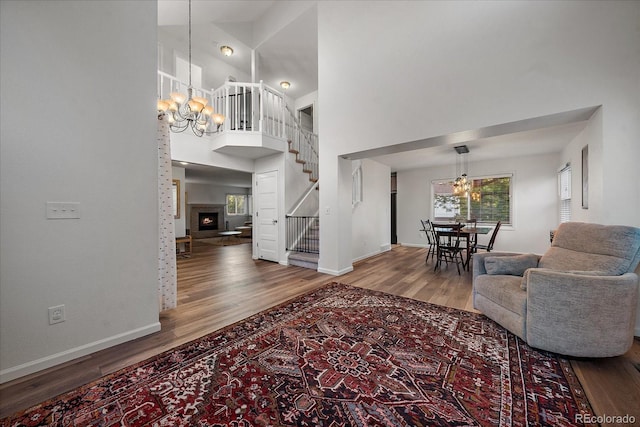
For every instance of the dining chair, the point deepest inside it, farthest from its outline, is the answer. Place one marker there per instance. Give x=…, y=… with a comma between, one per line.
x=473, y=237
x=448, y=250
x=431, y=241
x=489, y=247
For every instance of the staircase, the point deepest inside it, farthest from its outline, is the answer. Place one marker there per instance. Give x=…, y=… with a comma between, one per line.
x=303, y=144
x=303, y=232
x=303, y=223
x=305, y=252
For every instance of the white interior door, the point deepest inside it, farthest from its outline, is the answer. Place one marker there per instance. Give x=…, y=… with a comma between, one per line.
x=267, y=215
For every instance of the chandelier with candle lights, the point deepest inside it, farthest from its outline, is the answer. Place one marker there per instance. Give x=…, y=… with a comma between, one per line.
x=188, y=111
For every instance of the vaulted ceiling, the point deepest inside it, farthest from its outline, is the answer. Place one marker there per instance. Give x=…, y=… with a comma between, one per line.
x=291, y=53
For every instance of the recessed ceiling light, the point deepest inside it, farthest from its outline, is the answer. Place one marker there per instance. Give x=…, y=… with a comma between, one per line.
x=226, y=50
x=285, y=85
x=184, y=163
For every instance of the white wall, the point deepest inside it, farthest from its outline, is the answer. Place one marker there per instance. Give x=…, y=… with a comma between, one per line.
x=278, y=16
x=214, y=70
x=187, y=147
x=456, y=66
x=94, y=142
x=371, y=218
x=535, y=201
x=591, y=136
x=180, y=224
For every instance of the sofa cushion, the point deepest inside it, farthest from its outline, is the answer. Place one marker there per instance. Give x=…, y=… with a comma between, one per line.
x=614, y=249
x=504, y=291
x=563, y=259
x=510, y=265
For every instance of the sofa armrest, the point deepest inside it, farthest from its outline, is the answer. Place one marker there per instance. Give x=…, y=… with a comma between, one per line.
x=580, y=314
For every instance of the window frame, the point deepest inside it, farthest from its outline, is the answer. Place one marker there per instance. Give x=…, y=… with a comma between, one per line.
x=245, y=204
x=564, y=193
x=511, y=176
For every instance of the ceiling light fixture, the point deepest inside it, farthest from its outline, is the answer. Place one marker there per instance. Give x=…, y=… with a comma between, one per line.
x=462, y=185
x=285, y=85
x=226, y=50
x=186, y=111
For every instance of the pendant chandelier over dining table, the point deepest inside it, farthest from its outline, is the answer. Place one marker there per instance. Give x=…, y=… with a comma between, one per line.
x=462, y=184
x=188, y=111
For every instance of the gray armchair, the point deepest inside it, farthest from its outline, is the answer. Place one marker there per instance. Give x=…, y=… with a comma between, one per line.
x=579, y=299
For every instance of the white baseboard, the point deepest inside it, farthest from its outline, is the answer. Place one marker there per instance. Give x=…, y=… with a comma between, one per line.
x=382, y=250
x=10, y=374
x=414, y=245
x=335, y=272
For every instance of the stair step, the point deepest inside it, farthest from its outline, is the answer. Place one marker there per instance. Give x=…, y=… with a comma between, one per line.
x=300, y=161
x=291, y=150
x=308, y=241
x=305, y=260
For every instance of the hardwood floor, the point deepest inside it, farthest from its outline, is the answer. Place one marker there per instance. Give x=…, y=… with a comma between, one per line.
x=218, y=286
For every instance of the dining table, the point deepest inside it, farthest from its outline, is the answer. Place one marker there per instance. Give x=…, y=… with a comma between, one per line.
x=449, y=229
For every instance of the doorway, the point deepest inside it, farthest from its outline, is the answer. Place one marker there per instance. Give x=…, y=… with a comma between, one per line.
x=394, y=209
x=305, y=117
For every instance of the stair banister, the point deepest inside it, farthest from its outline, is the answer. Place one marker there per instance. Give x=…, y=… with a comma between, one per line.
x=303, y=198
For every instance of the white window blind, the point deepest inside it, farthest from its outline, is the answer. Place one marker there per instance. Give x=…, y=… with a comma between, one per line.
x=564, y=181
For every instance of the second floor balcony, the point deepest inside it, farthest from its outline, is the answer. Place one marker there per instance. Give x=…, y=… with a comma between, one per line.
x=257, y=121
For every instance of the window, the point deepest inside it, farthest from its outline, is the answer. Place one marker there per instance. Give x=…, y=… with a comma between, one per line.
x=237, y=204
x=564, y=188
x=489, y=201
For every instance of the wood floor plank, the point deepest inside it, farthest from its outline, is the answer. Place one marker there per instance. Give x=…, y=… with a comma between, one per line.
x=221, y=285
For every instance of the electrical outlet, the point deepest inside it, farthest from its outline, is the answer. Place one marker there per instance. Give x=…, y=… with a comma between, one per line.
x=56, y=314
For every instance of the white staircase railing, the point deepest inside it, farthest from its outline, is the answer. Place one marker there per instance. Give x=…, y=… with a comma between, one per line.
x=304, y=144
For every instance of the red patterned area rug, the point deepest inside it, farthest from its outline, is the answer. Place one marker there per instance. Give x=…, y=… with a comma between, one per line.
x=338, y=356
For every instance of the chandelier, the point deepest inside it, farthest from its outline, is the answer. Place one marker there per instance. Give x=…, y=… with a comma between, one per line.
x=188, y=111
x=462, y=184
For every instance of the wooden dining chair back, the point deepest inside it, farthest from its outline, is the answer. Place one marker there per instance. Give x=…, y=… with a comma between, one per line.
x=472, y=224
x=431, y=239
x=448, y=250
x=489, y=247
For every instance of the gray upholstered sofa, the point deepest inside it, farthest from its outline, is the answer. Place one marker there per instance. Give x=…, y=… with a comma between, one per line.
x=578, y=299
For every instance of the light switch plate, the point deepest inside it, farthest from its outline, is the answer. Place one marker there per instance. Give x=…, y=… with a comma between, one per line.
x=63, y=210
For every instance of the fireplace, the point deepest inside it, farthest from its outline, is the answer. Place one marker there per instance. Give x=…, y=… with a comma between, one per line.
x=207, y=221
